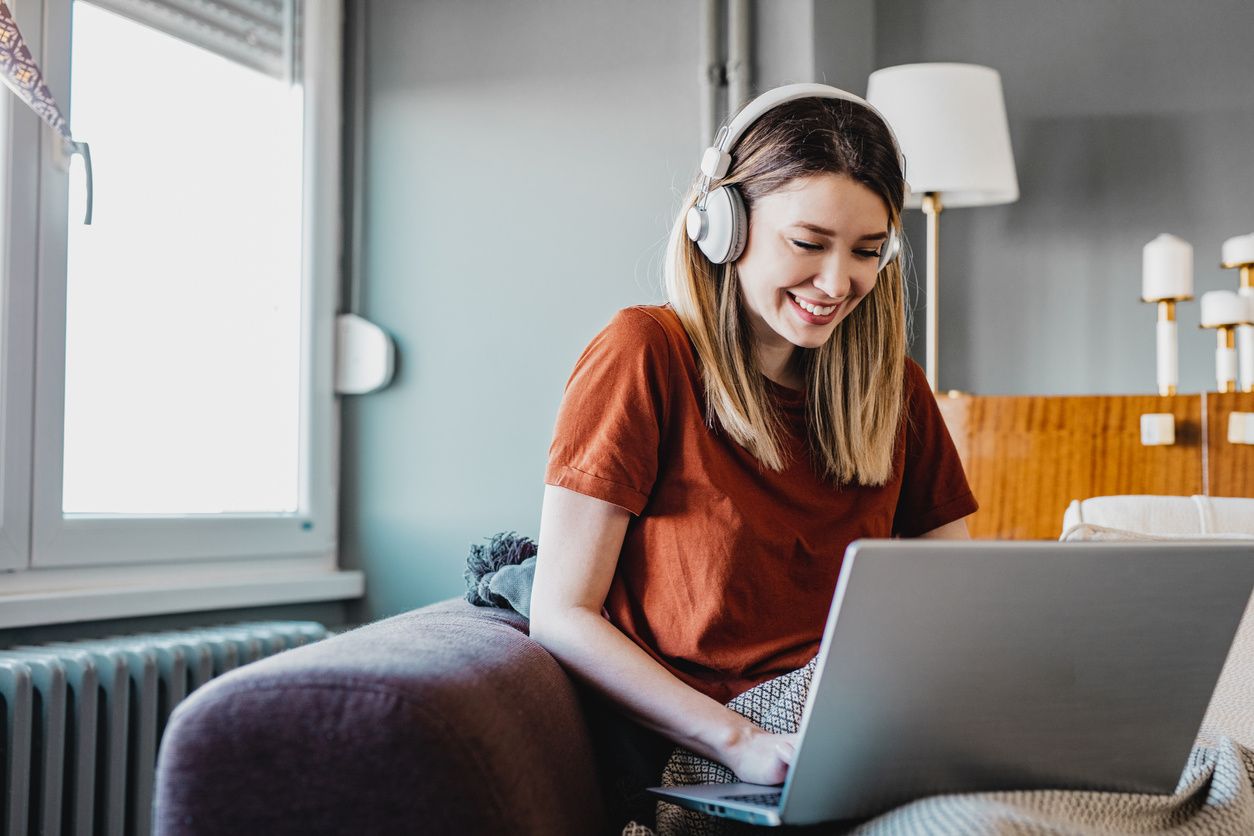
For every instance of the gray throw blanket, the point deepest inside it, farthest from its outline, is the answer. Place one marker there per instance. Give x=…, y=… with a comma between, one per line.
x=500, y=574
x=1215, y=795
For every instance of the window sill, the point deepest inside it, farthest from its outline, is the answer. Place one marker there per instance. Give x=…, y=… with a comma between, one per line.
x=61, y=596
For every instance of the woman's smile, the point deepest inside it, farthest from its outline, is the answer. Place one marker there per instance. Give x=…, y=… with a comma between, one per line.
x=811, y=313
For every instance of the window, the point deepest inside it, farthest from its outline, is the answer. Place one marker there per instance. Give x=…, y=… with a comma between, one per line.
x=173, y=404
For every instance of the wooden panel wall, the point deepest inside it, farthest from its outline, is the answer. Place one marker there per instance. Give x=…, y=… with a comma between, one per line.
x=1027, y=457
x=1230, y=467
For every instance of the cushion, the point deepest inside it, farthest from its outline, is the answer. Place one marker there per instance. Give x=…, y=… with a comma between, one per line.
x=1159, y=518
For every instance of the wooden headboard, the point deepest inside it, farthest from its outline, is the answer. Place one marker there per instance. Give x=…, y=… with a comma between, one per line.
x=1027, y=457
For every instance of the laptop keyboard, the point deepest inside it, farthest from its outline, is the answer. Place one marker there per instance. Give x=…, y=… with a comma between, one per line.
x=765, y=799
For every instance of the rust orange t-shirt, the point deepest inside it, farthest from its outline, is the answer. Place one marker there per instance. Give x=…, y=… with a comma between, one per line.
x=727, y=568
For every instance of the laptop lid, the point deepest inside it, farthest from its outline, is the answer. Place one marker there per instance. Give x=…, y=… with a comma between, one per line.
x=960, y=666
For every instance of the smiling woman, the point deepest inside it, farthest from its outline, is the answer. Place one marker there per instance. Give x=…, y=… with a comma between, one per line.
x=822, y=185
x=713, y=457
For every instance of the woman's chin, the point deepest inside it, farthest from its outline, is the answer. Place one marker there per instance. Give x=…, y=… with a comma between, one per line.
x=811, y=336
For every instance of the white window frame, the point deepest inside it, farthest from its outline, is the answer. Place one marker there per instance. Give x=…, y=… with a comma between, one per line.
x=99, y=566
x=18, y=196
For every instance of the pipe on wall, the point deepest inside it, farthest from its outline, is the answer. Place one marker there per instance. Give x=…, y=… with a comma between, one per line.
x=726, y=71
x=739, y=74
x=712, y=78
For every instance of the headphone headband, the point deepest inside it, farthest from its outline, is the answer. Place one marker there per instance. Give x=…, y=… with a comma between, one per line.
x=721, y=232
x=757, y=108
x=717, y=159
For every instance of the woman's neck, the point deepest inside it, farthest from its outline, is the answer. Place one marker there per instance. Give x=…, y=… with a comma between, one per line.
x=777, y=358
x=783, y=367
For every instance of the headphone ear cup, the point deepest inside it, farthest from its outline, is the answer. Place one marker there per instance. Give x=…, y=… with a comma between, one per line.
x=724, y=225
x=891, y=249
x=740, y=224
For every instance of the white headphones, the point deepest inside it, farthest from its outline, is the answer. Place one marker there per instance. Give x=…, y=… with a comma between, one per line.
x=718, y=222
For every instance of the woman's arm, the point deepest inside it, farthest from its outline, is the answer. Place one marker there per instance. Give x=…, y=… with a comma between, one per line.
x=580, y=540
x=956, y=530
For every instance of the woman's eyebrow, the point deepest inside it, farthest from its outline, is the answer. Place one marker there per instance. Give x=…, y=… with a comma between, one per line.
x=822, y=230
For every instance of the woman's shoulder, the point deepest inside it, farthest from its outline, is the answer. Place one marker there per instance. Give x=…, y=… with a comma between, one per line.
x=654, y=329
x=914, y=376
x=647, y=322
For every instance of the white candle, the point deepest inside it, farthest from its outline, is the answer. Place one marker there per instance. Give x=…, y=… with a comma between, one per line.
x=1239, y=250
x=1166, y=269
x=1245, y=342
x=1222, y=307
x=1245, y=354
x=1168, y=357
x=1225, y=368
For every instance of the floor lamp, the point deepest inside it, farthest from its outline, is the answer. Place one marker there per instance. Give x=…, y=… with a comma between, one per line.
x=950, y=120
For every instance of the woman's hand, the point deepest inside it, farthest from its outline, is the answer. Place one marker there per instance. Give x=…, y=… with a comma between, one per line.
x=760, y=757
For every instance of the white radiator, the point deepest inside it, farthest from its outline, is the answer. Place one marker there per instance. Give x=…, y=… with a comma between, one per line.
x=82, y=720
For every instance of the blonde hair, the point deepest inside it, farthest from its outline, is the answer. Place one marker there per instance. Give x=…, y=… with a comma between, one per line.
x=854, y=381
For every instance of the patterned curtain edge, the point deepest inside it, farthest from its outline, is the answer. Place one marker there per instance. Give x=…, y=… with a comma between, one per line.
x=21, y=74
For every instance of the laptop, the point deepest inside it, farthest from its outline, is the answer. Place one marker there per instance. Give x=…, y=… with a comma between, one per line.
x=966, y=666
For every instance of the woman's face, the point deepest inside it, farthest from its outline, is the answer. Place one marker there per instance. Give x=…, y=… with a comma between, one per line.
x=816, y=241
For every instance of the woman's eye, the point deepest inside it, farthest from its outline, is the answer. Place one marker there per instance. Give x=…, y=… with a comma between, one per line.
x=806, y=245
x=867, y=253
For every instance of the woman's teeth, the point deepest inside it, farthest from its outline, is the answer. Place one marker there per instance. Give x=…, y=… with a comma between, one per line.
x=814, y=309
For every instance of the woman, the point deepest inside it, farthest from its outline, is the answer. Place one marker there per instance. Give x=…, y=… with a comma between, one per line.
x=714, y=456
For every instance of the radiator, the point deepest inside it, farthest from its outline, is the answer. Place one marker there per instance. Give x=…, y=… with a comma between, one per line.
x=82, y=720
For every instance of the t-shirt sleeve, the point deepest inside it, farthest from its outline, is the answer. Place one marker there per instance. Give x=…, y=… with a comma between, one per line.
x=609, y=425
x=934, y=489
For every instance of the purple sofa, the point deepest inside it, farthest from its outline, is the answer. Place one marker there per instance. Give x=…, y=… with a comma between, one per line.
x=445, y=720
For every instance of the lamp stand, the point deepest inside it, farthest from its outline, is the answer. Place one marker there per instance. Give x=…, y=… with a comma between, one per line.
x=932, y=208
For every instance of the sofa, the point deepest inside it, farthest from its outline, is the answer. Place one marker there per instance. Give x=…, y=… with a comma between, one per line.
x=444, y=720
x=450, y=720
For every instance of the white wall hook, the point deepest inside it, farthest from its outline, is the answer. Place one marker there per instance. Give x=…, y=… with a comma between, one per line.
x=1158, y=429
x=365, y=356
x=1241, y=428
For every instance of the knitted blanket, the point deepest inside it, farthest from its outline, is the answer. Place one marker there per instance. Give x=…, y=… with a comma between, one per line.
x=1214, y=797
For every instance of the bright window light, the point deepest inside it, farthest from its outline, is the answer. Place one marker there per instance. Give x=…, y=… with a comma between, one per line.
x=183, y=328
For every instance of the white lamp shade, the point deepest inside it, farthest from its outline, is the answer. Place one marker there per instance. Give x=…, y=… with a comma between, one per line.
x=951, y=122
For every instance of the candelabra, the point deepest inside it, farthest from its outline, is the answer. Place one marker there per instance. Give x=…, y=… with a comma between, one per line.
x=1223, y=311
x=1166, y=279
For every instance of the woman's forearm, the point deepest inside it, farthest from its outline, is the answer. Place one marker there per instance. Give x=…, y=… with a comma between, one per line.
x=600, y=655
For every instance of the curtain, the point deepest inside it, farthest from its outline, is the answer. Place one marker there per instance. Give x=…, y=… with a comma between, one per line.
x=21, y=74
x=262, y=34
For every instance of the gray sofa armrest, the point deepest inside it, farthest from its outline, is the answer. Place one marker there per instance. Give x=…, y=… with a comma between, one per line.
x=446, y=719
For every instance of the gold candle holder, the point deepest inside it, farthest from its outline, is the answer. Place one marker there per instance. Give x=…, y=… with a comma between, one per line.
x=1168, y=343
x=1245, y=331
x=1226, y=346
x=1224, y=310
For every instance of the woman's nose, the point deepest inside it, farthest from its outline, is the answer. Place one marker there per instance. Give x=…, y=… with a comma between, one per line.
x=834, y=279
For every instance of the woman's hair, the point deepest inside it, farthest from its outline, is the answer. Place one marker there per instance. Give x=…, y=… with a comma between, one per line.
x=854, y=381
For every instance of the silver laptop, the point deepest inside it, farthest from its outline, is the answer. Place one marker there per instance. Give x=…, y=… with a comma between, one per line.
x=960, y=666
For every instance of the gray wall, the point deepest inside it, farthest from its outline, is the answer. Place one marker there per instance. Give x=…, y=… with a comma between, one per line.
x=1128, y=118
x=530, y=156
x=523, y=164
